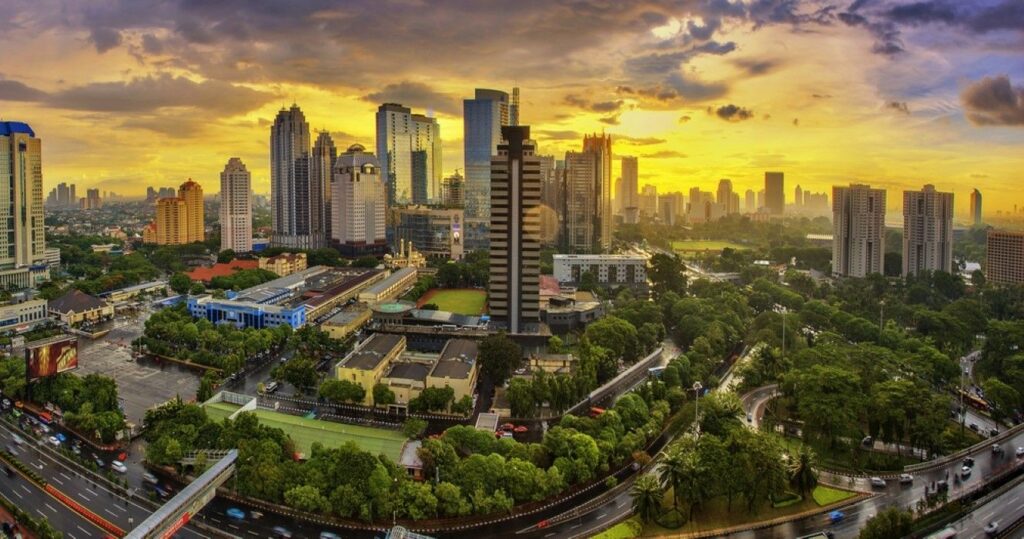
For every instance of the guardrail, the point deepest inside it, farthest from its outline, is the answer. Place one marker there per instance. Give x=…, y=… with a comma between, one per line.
x=640, y=366
x=942, y=461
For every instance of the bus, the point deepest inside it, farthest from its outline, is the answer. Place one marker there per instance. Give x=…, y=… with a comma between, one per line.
x=974, y=401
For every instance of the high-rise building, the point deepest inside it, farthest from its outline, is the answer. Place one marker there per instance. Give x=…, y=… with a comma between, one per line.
x=626, y=195
x=453, y=193
x=171, y=223
x=1004, y=262
x=858, y=230
x=647, y=201
x=23, y=242
x=728, y=200
x=551, y=189
x=359, y=203
x=750, y=202
x=195, y=227
x=927, y=231
x=670, y=208
x=426, y=142
x=774, y=193
x=409, y=151
x=588, y=200
x=514, y=288
x=976, y=207
x=483, y=118
x=290, y=180
x=434, y=232
x=321, y=171
x=92, y=200
x=235, y=207
x=798, y=196
x=760, y=201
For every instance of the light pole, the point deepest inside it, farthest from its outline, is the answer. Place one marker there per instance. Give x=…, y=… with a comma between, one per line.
x=697, y=387
x=881, y=316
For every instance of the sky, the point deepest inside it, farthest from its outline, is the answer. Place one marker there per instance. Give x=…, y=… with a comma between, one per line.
x=133, y=93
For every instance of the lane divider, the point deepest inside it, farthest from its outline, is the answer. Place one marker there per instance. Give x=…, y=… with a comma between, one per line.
x=103, y=523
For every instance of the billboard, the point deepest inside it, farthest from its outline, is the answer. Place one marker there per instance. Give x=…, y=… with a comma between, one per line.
x=50, y=357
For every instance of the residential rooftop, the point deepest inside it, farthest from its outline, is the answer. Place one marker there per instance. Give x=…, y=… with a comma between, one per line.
x=457, y=359
x=372, y=352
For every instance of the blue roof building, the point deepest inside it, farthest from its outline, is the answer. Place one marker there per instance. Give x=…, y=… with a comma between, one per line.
x=8, y=128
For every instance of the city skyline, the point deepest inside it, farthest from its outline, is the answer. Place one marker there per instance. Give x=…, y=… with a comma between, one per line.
x=696, y=94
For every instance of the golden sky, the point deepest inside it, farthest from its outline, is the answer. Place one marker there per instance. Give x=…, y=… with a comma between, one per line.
x=896, y=94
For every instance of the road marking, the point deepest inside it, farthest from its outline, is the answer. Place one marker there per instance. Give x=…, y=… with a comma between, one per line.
x=601, y=515
x=250, y=532
x=66, y=476
x=18, y=494
x=109, y=512
x=27, y=491
x=83, y=496
x=552, y=534
x=59, y=482
x=50, y=507
x=40, y=511
x=85, y=531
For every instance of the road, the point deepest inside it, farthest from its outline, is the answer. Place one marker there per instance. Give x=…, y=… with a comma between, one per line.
x=1004, y=509
x=26, y=494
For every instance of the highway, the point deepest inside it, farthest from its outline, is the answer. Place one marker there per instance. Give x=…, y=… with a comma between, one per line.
x=1003, y=509
x=27, y=495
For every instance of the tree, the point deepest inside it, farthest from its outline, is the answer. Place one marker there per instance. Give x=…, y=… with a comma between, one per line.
x=802, y=475
x=647, y=494
x=891, y=523
x=675, y=471
x=298, y=371
x=306, y=498
x=1005, y=399
x=719, y=412
x=382, y=395
x=556, y=345
x=365, y=262
x=520, y=398
x=667, y=275
x=225, y=256
x=616, y=335
x=463, y=406
x=828, y=399
x=206, y=384
x=414, y=427
x=499, y=356
x=180, y=283
x=342, y=391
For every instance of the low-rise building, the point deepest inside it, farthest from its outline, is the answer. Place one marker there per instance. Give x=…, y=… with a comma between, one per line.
x=24, y=277
x=391, y=287
x=206, y=274
x=284, y=263
x=128, y=292
x=406, y=379
x=552, y=363
x=76, y=307
x=347, y=321
x=609, y=271
x=52, y=256
x=457, y=368
x=367, y=364
x=24, y=315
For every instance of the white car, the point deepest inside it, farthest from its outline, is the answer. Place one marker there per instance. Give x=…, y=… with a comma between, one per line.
x=118, y=466
x=877, y=482
x=992, y=528
x=54, y=441
x=965, y=472
x=1020, y=452
x=906, y=478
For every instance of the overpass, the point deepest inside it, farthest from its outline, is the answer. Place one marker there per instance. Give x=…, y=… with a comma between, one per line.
x=179, y=510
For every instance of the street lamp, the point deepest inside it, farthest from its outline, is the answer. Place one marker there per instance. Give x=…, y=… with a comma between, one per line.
x=697, y=387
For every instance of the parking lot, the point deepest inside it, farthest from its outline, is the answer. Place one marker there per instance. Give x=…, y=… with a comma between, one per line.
x=141, y=384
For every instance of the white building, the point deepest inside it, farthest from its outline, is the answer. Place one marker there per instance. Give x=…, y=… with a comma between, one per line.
x=23, y=316
x=235, y=207
x=409, y=151
x=609, y=270
x=358, y=203
x=858, y=230
x=927, y=231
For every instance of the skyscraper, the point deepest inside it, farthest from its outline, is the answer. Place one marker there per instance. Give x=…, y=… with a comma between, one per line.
x=728, y=200
x=551, y=183
x=321, y=170
x=409, y=151
x=92, y=200
x=23, y=242
x=195, y=214
x=483, y=117
x=927, y=231
x=426, y=140
x=774, y=193
x=453, y=194
x=358, y=204
x=588, y=194
x=514, y=288
x=629, y=188
x=290, y=180
x=858, y=230
x=647, y=200
x=171, y=223
x=1004, y=259
x=976, y=207
x=798, y=196
x=750, y=204
x=235, y=207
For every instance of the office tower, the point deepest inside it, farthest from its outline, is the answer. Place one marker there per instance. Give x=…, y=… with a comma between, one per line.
x=171, y=223
x=321, y=169
x=727, y=199
x=235, y=207
x=434, y=232
x=453, y=194
x=550, y=199
x=774, y=193
x=588, y=196
x=798, y=196
x=670, y=207
x=289, y=180
x=976, y=208
x=92, y=200
x=514, y=288
x=750, y=201
x=483, y=117
x=409, y=151
x=647, y=201
x=23, y=242
x=195, y=227
x=858, y=230
x=426, y=143
x=927, y=231
x=165, y=192
x=1004, y=262
x=513, y=108
x=760, y=200
x=626, y=195
x=359, y=204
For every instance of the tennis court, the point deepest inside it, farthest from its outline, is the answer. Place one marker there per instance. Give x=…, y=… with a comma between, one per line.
x=330, y=434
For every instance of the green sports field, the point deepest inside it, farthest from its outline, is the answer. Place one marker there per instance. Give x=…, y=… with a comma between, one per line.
x=306, y=431
x=469, y=301
x=705, y=245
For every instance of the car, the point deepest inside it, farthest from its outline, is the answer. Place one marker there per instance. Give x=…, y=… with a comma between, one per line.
x=99, y=463
x=877, y=482
x=1020, y=452
x=280, y=532
x=54, y=441
x=76, y=449
x=60, y=436
x=942, y=485
x=7, y=403
x=973, y=426
x=118, y=466
x=750, y=418
x=150, y=478
x=997, y=449
x=969, y=462
x=867, y=441
x=836, y=517
x=521, y=429
x=234, y=513
x=18, y=440
x=329, y=535
x=906, y=478
x=991, y=528
x=965, y=472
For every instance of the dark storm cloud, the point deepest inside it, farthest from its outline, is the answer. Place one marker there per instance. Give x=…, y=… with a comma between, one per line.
x=994, y=101
x=731, y=113
x=898, y=106
x=416, y=95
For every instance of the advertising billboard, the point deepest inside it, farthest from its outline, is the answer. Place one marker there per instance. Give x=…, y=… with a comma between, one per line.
x=50, y=357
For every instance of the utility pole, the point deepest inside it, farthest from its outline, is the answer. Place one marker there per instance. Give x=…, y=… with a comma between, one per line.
x=697, y=387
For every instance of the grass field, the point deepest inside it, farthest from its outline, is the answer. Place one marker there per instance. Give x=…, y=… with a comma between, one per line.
x=306, y=431
x=826, y=495
x=469, y=301
x=705, y=245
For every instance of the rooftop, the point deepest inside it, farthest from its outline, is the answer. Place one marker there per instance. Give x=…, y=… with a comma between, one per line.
x=221, y=269
x=457, y=359
x=76, y=301
x=390, y=280
x=585, y=257
x=373, y=350
x=9, y=128
x=409, y=370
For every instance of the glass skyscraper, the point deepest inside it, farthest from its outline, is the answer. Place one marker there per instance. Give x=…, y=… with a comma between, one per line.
x=483, y=117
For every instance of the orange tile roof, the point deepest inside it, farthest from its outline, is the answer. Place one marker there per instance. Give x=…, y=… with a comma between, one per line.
x=207, y=273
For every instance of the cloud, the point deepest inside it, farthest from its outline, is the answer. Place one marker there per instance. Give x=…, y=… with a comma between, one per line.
x=416, y=95
x=898, y=106
x=554, y=134
x=152, y=93
x=12, y=90
x=610, y=120
x=994, y=101
x=731, y=113
x=821, y=96
x=796, y=122
x=599, y=106
x=664, y=154
x=684, y=118
x=639, y=141
x=105, y=39
x=887, y=35
x=757, y=67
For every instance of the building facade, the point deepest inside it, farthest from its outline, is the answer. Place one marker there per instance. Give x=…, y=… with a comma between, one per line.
x=434, y=232
x=409, y=152
x=608, y=270
x=453, y=191
x=514, y=288
x=236, y=207
x=24, y=315
x=290, y=180
x=195, y=213
x=774, y=193
x=628, y=188
x=23, y=242
x=927, y=231
x=358, y=204
x=284, y=263
x=1004, y=262
x=976, y=207
x=588, y=196
x=483, y=118
x=858, y=230
x=170, y=226
x=321, y=172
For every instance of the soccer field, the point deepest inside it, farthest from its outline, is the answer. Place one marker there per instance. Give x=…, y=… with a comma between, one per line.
x=470, y=301
x=705, y=245
x=330, y=434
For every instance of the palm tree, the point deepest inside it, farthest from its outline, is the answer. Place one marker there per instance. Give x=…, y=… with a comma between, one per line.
x=802, y=475
x=673, y=473
x=647, y=494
